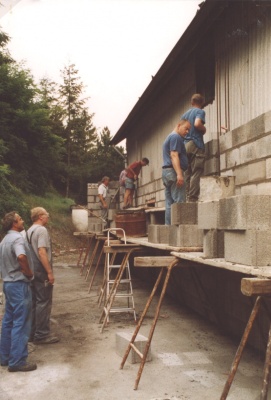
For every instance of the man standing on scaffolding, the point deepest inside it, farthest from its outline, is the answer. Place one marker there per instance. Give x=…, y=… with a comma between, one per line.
x=102, y=193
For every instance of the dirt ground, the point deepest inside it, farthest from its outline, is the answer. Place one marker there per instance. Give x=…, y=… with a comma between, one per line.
x=190, y=357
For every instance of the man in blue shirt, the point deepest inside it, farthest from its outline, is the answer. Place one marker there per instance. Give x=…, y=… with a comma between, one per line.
x=195, y=147
x=17, y=271
x=174, y=165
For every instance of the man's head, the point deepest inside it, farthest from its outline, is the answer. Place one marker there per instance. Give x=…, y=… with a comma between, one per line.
x=183, y=127
x=39, y=215
x=12, y=220
x=144, y=161
x=105, y=180
x=197, y=100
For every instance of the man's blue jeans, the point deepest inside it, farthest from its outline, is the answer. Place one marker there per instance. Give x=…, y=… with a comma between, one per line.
x=16, y=323
x=173, y=193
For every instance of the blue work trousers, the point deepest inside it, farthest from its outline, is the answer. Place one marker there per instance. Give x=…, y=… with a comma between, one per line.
x=16, y=323
x=173, y=193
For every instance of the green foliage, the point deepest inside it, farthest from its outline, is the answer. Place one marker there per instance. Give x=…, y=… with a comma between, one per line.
x=47, y=137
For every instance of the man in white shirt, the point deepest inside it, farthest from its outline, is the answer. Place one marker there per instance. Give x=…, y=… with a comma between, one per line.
x=102, y=193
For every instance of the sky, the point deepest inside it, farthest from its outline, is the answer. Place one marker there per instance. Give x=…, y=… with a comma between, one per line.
x=116, y=45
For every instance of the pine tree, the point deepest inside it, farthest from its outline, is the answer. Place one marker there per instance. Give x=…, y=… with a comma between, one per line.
x=78, y=130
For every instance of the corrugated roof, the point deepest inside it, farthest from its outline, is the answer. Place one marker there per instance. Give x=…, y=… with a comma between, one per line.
x=206, y=15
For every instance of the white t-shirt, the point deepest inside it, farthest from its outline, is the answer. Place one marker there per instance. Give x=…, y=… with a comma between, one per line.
x=102, y=189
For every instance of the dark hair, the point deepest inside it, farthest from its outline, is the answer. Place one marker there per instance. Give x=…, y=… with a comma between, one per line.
x=9, y=220
x=145, y=160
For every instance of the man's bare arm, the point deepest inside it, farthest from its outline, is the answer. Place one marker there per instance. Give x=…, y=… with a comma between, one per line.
x=199, y=125
x=45, y=263
x=174, y=155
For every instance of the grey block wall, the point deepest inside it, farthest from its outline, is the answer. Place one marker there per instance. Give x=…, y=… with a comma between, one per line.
x=245, y=212
x=184, y=213
x=208, y=214
x=250, y=247
x=185, y=236
x=213, y=243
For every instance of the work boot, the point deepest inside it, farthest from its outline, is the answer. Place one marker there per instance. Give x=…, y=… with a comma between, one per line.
x=23, y=368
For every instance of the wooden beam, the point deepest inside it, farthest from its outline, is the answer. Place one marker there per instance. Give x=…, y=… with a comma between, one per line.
x=121, y=248
x=153, y=261
x=257, y=286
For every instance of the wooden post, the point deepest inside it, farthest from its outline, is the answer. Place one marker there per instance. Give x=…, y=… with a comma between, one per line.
x=241, y=347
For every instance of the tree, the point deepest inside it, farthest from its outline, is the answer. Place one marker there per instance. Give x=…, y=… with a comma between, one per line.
x=78, y=130
x=104, y=159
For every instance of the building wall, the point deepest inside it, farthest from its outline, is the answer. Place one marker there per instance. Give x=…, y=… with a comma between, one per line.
x=241, y=105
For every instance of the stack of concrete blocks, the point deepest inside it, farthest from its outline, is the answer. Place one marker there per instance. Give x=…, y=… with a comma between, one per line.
x=212, y=190
x=95, y=224
x=246, y=220
x=184, y=231
x=158, y=234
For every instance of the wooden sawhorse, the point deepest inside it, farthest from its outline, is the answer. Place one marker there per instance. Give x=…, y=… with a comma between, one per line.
x=167, y=263
x=261, y=288
x=96, y=253
x=127, y=250
x=85, y=248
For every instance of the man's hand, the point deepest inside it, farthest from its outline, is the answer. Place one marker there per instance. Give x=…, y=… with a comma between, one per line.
x=51, y=278
x=180, y=180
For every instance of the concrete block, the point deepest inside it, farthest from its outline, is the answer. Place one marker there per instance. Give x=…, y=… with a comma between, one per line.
x=241, y=175
x=256, y=127
x=122, y=341
x=94, y=206
x=240, y=135
x=225, y=141
x=223, y=161
x=213, y=243
x=185, y=236
x=240, y=247
x=92, y=198
x=264, y=188
x=249, y=190
x=268, y=168
x=245, y=212
x=232, y=213
x=92, y=191
x=211, y=166
x=208, y=214
x=263, y=248
x=262, y=147
x=251, y=247
x=184, y=213
x=216, y=187
x=233, y=158
x=153, y=234
x=256, y=171
x=248, y=153
x=163, y=233
x=267, y=122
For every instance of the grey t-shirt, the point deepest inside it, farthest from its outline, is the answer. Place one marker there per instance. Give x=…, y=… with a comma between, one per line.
x=40, y=238
x=11, y=247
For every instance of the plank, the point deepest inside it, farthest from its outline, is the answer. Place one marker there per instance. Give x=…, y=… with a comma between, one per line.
x=153, y=261
x=255, y=286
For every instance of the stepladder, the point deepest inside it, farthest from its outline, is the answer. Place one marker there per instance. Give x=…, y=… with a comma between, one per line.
x=117, y=285
x=166, y=264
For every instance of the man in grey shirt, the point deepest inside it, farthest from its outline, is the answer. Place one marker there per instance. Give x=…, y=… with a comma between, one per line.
x=42, y=285
x=16, y=271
